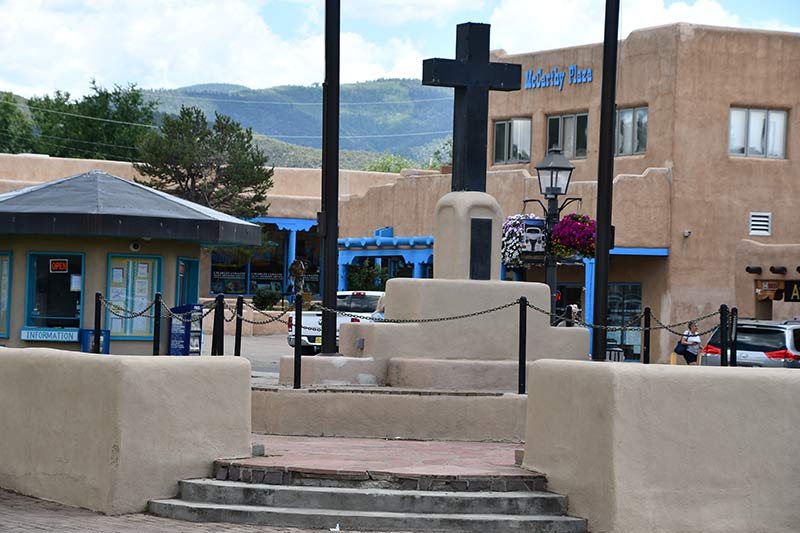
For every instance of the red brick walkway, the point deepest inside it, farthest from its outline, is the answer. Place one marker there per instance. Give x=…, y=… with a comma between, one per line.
x=438, y=458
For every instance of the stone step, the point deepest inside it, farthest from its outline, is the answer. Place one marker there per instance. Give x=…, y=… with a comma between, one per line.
x=362, y=520
x=387, y=500
x=249, y=471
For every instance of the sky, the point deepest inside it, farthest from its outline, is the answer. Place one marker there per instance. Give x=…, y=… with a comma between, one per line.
x=47, y=45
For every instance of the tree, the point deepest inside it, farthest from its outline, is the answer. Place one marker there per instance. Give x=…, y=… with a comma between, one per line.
x=15, y=127
x=390, y=163
x=102, y=125
x=217, y=166
x=367, y=277
x=442, y=155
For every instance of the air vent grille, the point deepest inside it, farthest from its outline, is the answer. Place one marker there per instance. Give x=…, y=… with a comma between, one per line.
x=761, y=224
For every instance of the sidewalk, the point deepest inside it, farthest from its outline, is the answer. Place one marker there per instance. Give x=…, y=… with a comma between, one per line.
x=21, y=514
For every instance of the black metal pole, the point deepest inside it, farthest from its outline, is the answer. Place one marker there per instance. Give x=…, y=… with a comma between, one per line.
x=723, y=335
x=523, y=342
x=218, y=335
x=98, y=304
x=157, y=325
x=237, y=342
x=733, y=335
x=330, y=175
x=646, y=337
x=605, y=178
x=550, y=264
x=298, y=338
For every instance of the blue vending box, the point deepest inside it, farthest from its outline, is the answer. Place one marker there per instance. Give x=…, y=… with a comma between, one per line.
x=186, y=337
x=87, y=338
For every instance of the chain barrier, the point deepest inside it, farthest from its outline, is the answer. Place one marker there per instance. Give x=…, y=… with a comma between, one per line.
x=209, y=307
x=421, y=320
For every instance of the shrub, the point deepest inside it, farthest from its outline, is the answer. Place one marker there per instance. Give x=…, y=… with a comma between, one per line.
x=264, y=299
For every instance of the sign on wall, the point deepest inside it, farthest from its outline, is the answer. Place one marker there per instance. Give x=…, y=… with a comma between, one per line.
x=791, y=291
x=555, y=78
x=59, y=266
x=49, y=335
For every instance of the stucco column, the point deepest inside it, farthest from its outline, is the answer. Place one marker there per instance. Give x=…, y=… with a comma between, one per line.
x=588, y=283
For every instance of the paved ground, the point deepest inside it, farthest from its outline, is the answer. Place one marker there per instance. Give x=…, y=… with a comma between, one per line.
x=441, y=458
x=264, y=352
x=22, y=514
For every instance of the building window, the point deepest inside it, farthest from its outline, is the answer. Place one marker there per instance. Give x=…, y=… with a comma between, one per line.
x=229, y=272
x=5, y=293
x=133, y=281
x=512, y=141
x=624, y=306
x=631, y=131
x=568, y=133
x=757, y=133
x=55, y=290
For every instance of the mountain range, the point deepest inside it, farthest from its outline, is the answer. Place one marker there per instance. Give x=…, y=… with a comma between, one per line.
x=397, y=116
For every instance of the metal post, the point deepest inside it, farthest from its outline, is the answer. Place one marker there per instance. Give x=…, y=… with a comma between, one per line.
x=98, y=304
x=330, y=174
x=237, y=342
x=298, y=337
x=523, y=342
x=218, y=335
x=157, y=325
x=550, y=264
x=646, y=337
x=733, y=335
x=605, y=178
x=723, y=335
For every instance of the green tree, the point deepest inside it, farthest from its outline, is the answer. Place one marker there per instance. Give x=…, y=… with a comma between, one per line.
x=367, y=277
x=217, y=166
x=15, y=128
x=102, y=125
x=390, y=163
x=442, y=155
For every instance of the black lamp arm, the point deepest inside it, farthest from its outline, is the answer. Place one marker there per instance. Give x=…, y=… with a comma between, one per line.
x=524, y=203
x=569, y=201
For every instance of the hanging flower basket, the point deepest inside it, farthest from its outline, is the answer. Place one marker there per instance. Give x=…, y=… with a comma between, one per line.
x=514, y=242
x=574, y=235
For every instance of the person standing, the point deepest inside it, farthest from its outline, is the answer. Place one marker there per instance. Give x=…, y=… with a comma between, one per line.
x=691, y=341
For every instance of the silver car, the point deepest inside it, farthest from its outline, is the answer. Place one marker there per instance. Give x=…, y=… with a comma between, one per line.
x=759, y=343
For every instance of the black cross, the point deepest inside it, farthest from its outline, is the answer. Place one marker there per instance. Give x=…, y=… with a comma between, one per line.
x=472, y=76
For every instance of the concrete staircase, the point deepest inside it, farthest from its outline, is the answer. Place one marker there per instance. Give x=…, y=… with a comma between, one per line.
x=376, y=502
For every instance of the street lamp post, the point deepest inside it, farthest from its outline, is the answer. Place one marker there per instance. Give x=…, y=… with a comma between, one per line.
x=554, y=173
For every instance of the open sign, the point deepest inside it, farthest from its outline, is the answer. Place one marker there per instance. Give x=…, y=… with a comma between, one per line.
x=59, y=266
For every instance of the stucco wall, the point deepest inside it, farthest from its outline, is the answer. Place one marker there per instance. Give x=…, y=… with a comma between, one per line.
x=491, y=336
x=110, y=432
x=95, y=279
x=752, y=253
x=667, y=449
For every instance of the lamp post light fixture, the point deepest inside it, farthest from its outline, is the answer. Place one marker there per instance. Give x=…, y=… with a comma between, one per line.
x=554, y=173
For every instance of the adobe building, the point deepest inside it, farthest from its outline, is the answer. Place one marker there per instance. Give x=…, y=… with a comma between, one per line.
x=703, y=194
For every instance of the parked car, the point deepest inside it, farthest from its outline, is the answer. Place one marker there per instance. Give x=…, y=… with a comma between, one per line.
x=360, y=303
x=759, y=343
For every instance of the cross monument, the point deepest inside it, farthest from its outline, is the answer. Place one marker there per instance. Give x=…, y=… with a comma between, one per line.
x=468, y=221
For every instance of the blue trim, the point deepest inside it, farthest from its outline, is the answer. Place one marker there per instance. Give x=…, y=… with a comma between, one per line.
x=292, y=224
x=657, y=252
x=159, y=278
x=29, y=288
x=388, y=242
x=409, y=255
x=588, y=298
x=388, y=231
x=10, y=256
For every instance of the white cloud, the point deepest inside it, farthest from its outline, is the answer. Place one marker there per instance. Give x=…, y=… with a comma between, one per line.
x=63, y=45
x=394, y=12
x=523, y=26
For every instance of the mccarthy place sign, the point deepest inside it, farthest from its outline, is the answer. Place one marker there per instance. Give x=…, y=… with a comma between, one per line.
x=539, y=79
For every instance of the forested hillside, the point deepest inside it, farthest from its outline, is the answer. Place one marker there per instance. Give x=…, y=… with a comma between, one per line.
x=390, y=115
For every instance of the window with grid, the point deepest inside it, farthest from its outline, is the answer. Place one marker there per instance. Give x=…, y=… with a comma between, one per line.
x=631, y=131
x=568, y=133
x=757, y=133
x=512, y=141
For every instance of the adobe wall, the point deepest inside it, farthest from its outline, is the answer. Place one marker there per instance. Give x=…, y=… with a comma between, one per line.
x=108, y=433
x=664, y=448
